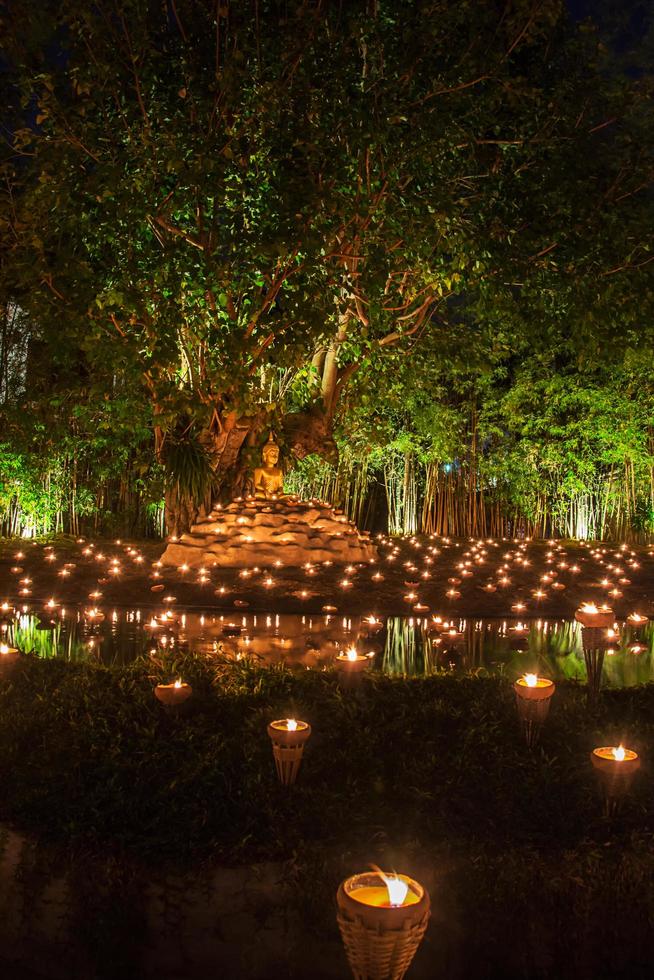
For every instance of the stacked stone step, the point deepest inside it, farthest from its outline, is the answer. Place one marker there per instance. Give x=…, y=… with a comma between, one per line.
x=260, y=532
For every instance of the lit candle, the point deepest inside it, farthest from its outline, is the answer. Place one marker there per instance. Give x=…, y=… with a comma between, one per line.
x=594, y=617
x=351, y=666
x=615, y=757
x=533, y=696
x=288, y=737
x=615, y=767
x=173, y=695
x=382, y=919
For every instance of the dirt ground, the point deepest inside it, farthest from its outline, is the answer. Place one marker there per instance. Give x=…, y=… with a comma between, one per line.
x=420, y=576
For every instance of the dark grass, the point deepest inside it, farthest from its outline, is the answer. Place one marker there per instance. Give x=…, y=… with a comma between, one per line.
x=87, y=754
x=430, y=775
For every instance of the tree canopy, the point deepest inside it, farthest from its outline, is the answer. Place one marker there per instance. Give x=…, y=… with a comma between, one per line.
x=222, y=218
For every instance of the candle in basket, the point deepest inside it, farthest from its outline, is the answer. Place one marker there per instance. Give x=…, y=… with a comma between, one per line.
x=594, y=617
x=393, y=892
x=382, y=919
x=533, y=695
x=615, y=767
x=288, y=737
x=173, y=695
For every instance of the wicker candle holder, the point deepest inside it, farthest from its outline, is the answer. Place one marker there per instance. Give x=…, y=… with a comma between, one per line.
x=615, y=768
x=637, y=621
x=173, y=696
x=592, y=616
x=9, y=657
x=380, y=939
x=533, y=696
x=288, y=738
x=351, y=667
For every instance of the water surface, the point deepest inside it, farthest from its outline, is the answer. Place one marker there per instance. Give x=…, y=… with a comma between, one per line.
x=402, y=645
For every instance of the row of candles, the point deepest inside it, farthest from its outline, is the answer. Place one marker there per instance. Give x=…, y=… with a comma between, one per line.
x=474, y=558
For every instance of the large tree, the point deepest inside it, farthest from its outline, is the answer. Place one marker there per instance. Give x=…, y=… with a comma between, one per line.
x=238, y=206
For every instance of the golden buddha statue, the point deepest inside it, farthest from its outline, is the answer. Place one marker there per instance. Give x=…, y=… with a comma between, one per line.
x=268, y=480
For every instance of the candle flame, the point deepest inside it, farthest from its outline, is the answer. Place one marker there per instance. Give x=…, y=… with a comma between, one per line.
x=619, y=754
x=351, y=654
x=177, y=683
x=4, y=648
x=291, y=724
x=397, y=889
x=531, y=680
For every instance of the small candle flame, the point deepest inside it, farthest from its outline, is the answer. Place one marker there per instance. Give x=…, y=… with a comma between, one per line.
x=590, y=608
x=351, y=654
x=291, y=724
x=4, y=648
x=531, y=680
x=397, y=889
x=177, y=683
x=619, y=754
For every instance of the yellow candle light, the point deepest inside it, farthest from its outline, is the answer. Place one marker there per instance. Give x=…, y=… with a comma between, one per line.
x=288, y=737
x=594, y=617
x=615, y=767
x=173, y=695
x=533, y=696
x=382, y=919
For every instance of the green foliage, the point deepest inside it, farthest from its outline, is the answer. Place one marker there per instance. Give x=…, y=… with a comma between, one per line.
x=422, y=197
x=90, y=761
x=101, y=762
x=188, y=470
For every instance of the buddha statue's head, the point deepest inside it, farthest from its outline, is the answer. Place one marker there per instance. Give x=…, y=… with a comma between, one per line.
x=270, y=452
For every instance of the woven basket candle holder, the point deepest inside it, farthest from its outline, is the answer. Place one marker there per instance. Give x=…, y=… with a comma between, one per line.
x=615, y=774
x=288, y=739
x=637, y=622
x=174, y=695
x=380, y=939
x=9, y=657
x=351, y=668
x=533, y=704
x=593, y=617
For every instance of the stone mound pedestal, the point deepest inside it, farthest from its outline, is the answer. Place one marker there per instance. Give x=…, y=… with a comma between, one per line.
x=260, y=532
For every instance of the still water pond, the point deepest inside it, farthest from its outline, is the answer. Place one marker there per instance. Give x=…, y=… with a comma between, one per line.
x=401, y=646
